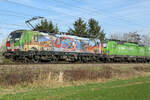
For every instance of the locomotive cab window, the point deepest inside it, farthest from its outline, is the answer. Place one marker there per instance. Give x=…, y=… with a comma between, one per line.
x=105, y=45
x=15, y=35
x=35, y=38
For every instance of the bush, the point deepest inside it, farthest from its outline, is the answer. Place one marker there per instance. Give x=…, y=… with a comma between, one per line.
x=80, y=74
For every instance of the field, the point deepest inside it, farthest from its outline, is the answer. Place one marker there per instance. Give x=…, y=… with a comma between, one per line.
x=75, y=82
x=132, y=89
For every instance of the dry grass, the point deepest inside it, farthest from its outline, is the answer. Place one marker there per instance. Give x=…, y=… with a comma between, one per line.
x=80, y=74
x=4, y=61
x=63, y=75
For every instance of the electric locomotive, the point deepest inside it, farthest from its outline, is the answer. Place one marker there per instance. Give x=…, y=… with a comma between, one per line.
x=26, y=46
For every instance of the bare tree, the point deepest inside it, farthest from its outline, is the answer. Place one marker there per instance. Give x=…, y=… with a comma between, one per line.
x=145, y=40
x=134, y=37
x=130, y=37
x=114, y=36
x=3, y=46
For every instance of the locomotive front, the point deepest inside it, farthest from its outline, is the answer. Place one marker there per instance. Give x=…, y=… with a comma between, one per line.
x=13, y=43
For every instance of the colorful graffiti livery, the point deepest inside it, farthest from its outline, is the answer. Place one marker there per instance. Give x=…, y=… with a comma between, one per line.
x=31, y=40
x=76, y=44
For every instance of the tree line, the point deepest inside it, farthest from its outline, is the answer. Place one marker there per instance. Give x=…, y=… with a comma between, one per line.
x=90, y=29
x=135, y=37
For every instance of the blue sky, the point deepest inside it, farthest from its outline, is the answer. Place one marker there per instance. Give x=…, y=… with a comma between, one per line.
x=115, y=16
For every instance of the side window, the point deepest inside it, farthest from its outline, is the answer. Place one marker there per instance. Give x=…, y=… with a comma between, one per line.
x=36, y=38
x=105, y=45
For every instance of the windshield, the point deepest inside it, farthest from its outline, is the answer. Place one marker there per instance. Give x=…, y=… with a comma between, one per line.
x=15, y=35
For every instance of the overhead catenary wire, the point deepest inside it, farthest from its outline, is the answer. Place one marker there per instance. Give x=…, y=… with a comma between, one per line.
x=37, y=8
x=7, y=28
x=12, y=24
x=25, y=17
x=20, y=13
x=7, y=14
x=43, y=9
x=4, y=23
x=99, y=11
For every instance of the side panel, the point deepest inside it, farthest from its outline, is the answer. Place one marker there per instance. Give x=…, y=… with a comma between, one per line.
x=31, y=40
x=110, y=50
x=45, y=42
x=127, y=49
x=67, y=43
x=146, y=51
x=132, y=49
x=121, y=49
x=142, y=51
x=64, y=43
x=149, y=51
x=27, y=40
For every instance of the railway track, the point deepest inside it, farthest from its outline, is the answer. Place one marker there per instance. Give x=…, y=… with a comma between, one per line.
x=43, y=63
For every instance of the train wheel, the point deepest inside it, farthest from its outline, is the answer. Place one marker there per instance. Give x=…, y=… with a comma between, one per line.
x=84, y=59
x=79, y=60
x=13, y=59
x=25, y=61
x=36, y=59
x=54, y=60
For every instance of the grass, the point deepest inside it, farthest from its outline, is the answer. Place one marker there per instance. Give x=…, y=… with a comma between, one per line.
x=75, y=82
x=53, y=75
x=132, y=89
x=11, y=76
